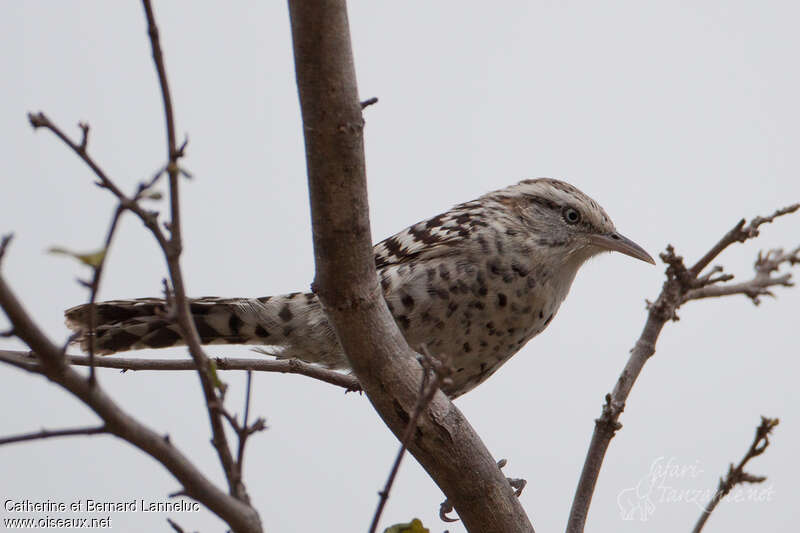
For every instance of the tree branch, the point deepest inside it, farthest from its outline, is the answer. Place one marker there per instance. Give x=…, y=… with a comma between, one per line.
x=175, y=526
x=149, y=218
x=23, y=360
x=759, y=285
x=736, y=475
x=4, y=244
x=29, y=361
x=245, y=429
x=50, y=433
x=740, y=233
x=52, y=364
x=97, y=275
x=172, y=250
x=346, y=282
x=427, y=389
x=679, y=288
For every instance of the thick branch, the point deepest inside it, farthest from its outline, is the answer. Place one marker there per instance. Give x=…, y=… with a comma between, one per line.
x=346, y=281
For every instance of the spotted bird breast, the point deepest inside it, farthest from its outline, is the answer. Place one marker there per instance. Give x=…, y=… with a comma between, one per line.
x=477, y=310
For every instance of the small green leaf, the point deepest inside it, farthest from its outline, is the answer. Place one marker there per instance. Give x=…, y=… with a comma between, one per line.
x=415, y=526
x=218, y=383
x=153, y=195
x=92, y=259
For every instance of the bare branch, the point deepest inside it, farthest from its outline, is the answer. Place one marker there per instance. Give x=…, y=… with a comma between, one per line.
x=759, y=285
x=94, y=286
x=736, y=475
x=22, y=360
x=246, y=430
x=4, y=244
x=368, y=102
x=682, y=284
x=84, y=126
x=243, y=431
x=52, y=364
x=177, y=528
x=347, y=285
x=144, y=187
x=283, y=366
x=427, y=389
x=50, y=433
x=172, y=250
x=40, y=120
x=740, y=233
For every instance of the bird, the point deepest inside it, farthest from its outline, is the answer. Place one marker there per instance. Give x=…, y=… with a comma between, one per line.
x=471, y=285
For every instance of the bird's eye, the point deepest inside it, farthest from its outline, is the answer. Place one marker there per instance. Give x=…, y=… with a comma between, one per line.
x=571, y=215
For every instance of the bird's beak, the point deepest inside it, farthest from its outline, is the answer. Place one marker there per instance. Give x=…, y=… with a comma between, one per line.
x=614, y=242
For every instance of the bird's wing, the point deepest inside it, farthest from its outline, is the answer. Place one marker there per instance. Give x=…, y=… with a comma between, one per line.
x=435, y=237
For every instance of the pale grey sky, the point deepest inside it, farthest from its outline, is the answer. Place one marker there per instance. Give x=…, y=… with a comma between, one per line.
x=678, y=117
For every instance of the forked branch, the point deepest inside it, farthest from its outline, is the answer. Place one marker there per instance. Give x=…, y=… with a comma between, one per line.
x=682, y=285
x=172, y=251
x=736, y=474
x=52, y=362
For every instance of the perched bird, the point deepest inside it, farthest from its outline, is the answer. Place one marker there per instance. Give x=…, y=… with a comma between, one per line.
x=475, y=284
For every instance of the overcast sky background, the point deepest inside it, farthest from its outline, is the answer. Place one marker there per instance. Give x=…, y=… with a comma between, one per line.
x=678, y=117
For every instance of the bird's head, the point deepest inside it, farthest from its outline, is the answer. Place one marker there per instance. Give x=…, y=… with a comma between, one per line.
x=564, y=221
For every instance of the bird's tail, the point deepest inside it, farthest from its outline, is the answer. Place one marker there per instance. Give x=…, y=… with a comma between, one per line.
x=293, y=324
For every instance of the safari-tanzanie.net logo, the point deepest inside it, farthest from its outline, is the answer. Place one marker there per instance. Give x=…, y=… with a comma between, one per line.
x=672, y=482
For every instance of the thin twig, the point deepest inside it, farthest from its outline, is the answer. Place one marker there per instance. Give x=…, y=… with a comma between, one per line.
x=94, y=286
x=175, y=526
x=4, y=244
x=84, y=126
x=245, y=421
x=52, y=364
x=244, y=431
x=427, y=389
x=144, y=187
x=765, y=266
x=150, y=220
x=681, y=286
x=50, y=433
x=736, y=475
x=172, y=250
x=283, y=366
x=739, y=233
x=368, y=102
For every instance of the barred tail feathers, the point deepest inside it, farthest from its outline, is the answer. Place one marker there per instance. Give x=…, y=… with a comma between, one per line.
x=294, y=324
